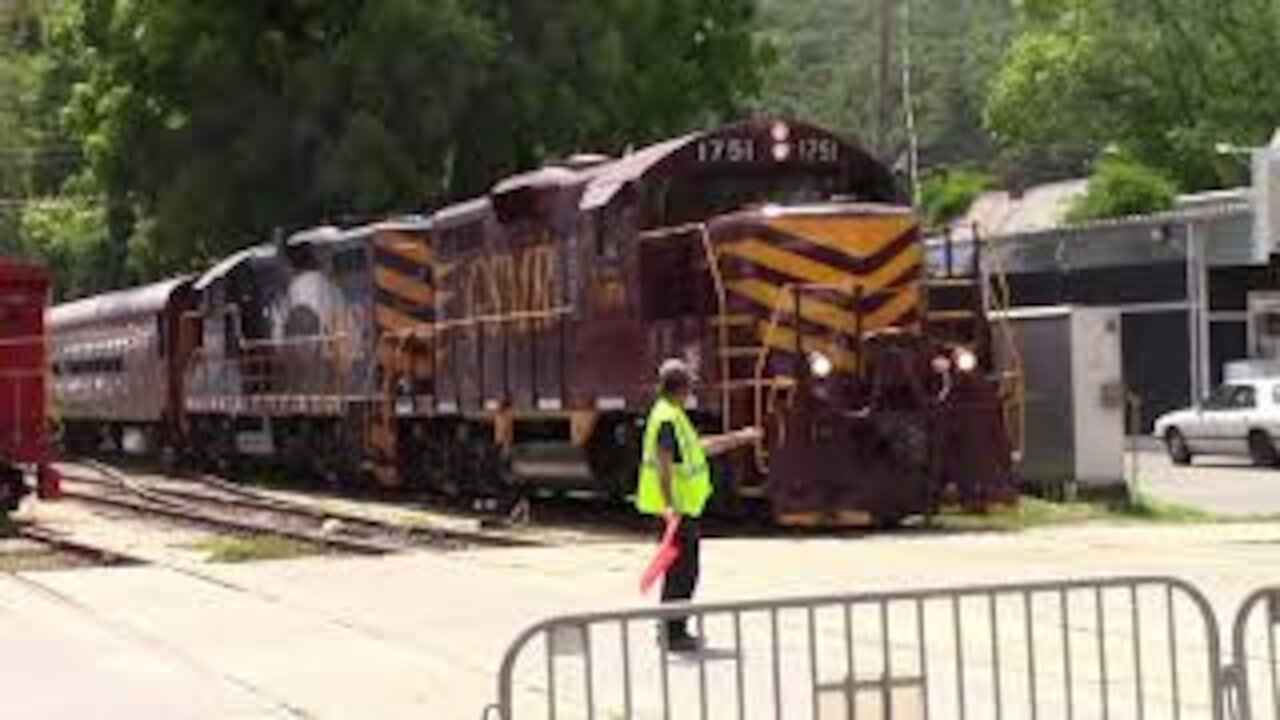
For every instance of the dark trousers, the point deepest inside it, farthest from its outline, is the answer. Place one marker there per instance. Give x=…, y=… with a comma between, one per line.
x=682, y=577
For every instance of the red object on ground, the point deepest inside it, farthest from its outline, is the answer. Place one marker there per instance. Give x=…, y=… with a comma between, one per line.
x=663, y=559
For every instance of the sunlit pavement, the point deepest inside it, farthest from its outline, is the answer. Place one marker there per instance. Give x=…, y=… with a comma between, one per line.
x=422, y=635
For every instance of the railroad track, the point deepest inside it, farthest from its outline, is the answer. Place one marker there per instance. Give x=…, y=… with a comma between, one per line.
x=212, y=502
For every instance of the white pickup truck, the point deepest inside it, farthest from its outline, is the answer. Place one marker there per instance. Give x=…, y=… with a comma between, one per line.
x=1240, y=418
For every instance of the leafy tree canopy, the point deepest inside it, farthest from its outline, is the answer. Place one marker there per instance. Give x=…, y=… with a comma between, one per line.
x=948, y=194
x=1165, y=80
x=207, y=124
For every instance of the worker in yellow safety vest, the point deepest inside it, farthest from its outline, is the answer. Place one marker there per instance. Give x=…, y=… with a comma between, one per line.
x=675, y=484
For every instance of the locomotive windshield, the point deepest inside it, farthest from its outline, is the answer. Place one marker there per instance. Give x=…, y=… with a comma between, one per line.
x=687, y=198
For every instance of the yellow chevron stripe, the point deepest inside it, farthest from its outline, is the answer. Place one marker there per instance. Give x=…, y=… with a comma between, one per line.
x=798, y=266
x=806, y=270
x=856, y=237
x=782, y=337
x=394, y=320
x=413, y=290
x=406, y=247
x=824, y=313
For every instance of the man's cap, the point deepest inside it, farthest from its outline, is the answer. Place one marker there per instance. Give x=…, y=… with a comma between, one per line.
x=673, y=368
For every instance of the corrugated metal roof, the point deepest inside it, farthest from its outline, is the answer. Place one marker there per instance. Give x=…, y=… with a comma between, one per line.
x=147, y=299
x=1196, y=212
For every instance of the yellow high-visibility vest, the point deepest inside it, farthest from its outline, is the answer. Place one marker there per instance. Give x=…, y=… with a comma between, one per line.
x=690, y=478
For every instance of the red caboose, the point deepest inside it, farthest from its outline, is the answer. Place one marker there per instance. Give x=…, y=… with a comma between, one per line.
x=24, y=436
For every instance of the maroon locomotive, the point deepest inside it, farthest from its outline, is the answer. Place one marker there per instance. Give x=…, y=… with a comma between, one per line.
x=507, y=344
x=24, y=437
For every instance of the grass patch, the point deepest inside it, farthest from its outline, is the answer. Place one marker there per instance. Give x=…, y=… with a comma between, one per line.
x=1141, y=506
x=8, y=528
x=1034, y=512
x=251, y=548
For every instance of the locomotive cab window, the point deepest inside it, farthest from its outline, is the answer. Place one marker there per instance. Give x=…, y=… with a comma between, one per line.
x=614, y=224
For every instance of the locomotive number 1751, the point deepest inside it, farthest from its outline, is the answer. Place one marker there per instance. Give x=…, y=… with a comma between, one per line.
x=727, y=150
x=747, y=150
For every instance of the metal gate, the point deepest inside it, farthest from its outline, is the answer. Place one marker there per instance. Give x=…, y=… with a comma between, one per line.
x=1141, y=647
x=1253, y=678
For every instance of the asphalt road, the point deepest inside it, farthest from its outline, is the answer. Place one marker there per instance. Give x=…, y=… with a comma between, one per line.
x=1220, y=485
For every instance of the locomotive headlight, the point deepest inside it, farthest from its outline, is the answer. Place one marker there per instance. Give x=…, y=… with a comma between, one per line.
x=781, y=151
x=820, y=365
x=941, y=364
x=966, y=361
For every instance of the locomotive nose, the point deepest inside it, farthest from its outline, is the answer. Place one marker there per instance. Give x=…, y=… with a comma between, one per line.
x=888, y=442
x=830, y=464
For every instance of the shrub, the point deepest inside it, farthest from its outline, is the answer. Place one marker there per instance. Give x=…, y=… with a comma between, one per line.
x=948, y=194
x=1120, y=187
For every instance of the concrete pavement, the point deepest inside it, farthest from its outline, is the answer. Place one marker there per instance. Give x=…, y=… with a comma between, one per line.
x=1224, y=486
x=422, y=636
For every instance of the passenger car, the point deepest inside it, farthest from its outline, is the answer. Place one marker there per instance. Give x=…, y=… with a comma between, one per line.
x=1240, y=418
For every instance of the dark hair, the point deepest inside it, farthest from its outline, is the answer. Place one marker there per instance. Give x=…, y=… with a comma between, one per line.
x=673, y=384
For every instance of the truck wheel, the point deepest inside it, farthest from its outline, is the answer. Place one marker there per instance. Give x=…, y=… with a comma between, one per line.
x=1261, y=450
x=1179, y=453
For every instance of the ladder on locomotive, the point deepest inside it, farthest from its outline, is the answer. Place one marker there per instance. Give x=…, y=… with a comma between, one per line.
x=967, y=304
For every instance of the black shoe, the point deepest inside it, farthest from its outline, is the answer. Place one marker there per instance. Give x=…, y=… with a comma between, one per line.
x=684, y=643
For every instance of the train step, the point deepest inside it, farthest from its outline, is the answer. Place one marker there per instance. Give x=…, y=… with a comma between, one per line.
x=949, y=315
x=742, y=352
x=554, y=463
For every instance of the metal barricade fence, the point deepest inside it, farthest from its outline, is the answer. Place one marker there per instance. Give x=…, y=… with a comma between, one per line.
x=1253, y=678
x=1140, y=647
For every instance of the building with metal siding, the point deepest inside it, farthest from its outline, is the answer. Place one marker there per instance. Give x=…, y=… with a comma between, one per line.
x=1183, y=282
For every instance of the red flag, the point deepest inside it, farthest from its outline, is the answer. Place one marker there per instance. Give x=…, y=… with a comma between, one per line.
x=667, y=553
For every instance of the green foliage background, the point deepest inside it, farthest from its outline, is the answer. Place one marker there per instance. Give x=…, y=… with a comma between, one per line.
x=185, y=130
x=144, y=137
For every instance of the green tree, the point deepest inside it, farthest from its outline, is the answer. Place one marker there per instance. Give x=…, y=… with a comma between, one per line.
x=207, y=124
x=1165, y=80
x=1120, y=187
x=598, y=75
x=828, y=59
x=948, y=194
